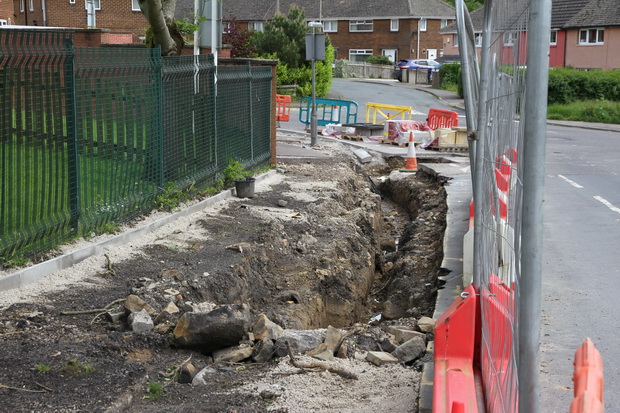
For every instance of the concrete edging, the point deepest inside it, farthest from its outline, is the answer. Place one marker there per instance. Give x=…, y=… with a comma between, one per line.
x=38, y=271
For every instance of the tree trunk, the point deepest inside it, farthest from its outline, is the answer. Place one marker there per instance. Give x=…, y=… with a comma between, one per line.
x=160, y=15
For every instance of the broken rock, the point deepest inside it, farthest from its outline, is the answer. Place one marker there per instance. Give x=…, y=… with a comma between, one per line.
x=410, y=350
x=426, y=324
x=300, y=341
x=263, y=351
x=216, y=330
x=265, y=329
x=140, y=322
x=134, y=304
x=232, y=354
x=379, y=358
x=187, y=372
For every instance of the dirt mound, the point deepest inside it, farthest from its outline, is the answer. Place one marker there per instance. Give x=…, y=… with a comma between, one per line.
x=316, y=246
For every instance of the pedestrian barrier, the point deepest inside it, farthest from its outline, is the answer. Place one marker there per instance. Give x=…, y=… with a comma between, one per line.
x=454, y=383
x=391, y=112
x=283, y=108
x=328, y=111
x=439, y=118
x=588, y=379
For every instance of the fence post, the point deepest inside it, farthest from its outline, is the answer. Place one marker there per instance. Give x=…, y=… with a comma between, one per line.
x=73, y=167
x=158, y=130
x=249, y=66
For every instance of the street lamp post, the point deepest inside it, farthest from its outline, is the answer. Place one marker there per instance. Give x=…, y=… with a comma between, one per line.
x=314, y=52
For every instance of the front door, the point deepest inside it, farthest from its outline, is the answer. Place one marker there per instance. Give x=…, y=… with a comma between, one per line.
x=390, y=54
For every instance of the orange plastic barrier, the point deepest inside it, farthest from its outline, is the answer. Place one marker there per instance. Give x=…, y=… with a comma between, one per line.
x=588, y=379
x=454, y=387
x=283, y=108
x=439, y=118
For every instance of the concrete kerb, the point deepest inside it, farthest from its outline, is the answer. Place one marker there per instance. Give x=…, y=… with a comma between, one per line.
x=38, y=271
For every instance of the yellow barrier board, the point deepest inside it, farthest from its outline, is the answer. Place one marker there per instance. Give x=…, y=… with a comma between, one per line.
x=387, y=111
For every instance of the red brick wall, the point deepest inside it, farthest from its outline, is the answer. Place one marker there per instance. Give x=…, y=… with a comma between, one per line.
x=27, y=17
x=6, y=10
x=115, y=15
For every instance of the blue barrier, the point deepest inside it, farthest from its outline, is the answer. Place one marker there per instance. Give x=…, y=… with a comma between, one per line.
x=328, y=111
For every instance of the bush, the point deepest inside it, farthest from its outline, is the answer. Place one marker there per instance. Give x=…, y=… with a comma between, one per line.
x=570, y=85
x=379, y=60
x=450, y=75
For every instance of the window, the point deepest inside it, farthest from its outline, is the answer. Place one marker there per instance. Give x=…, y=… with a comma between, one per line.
x=135, y=6
x=97, y=4
x=478, y=39
x=591, y=36
x=359, y=55
x=444, y=23
x=22, y=5
x=456, y=40
x=71, y=1
x=256, y=26
x=31, y=5
x=394, y=25
x=422, y=25
x=330, y=26
x=509, y=38
x=360, y=25
x=554, y=37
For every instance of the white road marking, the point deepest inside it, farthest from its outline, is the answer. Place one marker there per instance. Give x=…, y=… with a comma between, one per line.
x=607, y=204
x=573, y=183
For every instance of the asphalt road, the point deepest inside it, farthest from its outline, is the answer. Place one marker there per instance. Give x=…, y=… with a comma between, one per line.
x=581, y=275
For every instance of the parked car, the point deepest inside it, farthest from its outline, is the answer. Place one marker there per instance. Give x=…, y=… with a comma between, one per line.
x=414, y=64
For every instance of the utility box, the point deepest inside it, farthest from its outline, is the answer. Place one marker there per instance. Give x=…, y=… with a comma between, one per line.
x=315, y=46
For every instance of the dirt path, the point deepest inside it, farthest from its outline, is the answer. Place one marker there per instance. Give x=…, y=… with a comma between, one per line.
x=315, y=247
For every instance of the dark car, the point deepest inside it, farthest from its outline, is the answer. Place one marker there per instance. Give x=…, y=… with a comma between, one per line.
x=414, y=64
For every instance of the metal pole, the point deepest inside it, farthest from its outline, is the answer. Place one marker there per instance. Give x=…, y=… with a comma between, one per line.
x=534, y=117
x=481, y=139
x=313, y=127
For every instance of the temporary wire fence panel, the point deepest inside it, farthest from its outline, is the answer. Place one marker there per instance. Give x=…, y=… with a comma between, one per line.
x=501, y=135
x=92, y=136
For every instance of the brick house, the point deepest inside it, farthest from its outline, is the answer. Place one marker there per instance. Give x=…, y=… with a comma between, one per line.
x=585, y=34
x=398, y=29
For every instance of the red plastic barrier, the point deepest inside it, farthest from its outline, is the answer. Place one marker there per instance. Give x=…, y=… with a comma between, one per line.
x=454, y=387
x=439, y=118
x=283, y=108
x=588, y=379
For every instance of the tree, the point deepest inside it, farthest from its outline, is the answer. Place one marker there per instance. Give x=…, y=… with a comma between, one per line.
x=163, y=29
x=284, y=36
x=239, y=39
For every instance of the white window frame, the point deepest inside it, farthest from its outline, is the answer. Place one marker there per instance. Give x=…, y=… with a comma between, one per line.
x=359, y=52
x=31, y=5
x=135, y=6
x=553, y=37
x=71, y=1
x=257, y=26
x=353, y=26
x=478, y=39
x=456, y=40
x=509, y=38
x=394, y=25
x=330, y=26
x=599, y=34
x=444, y=23
x=97, y=4
x=22, y=6
x=422, y=25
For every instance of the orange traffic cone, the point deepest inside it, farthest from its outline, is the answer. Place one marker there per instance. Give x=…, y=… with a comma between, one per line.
x=412, y=163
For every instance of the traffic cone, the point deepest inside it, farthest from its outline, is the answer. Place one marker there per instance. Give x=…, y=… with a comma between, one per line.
x=412, y=163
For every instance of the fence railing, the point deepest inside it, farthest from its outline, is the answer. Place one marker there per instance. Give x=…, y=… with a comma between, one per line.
x=92, y=136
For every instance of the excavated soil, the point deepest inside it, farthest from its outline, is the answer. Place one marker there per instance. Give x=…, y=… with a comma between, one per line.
x=327, y=242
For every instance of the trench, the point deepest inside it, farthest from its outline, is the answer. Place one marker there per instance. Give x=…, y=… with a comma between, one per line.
x=403, y=236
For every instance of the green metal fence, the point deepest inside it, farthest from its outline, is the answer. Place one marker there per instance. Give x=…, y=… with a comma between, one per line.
x=90, y=136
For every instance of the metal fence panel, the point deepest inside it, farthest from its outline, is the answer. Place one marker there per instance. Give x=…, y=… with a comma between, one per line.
x=91, y=136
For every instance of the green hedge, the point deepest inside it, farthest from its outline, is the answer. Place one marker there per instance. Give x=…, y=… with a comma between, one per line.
x=302, y=76
x=570, y=85
x=565, y=85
